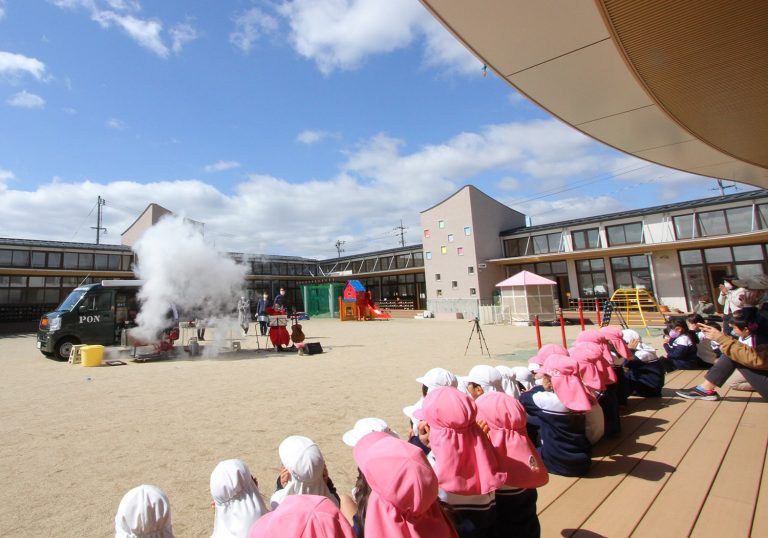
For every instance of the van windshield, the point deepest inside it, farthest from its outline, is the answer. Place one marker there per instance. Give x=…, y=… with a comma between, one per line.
x=72, y=299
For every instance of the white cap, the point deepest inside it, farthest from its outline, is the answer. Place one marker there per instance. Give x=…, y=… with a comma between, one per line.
x=628, y=335
x=488, y=377
x=523, y=376
x=508, y=380
x=438, y=377
x=363, y=427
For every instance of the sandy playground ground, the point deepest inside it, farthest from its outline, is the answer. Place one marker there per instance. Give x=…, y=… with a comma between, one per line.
x=73, y=440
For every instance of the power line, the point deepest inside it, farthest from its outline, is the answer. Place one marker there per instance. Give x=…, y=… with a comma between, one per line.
x=77, y=230
x=402, y=230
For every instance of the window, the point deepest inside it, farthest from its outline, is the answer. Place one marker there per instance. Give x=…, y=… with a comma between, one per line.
x=70, y=260
x=38, y=259
x=54, y=260
x=441, y=224
x=439, y=293
x=584, y=239
x=427, y=255
x=546, y=243
x=625, y=234
x=102, y=262
x=443, y=250
x=460, y=251
x=683, y=226
x=712, y=223
x=5, y=257
x=517, y=247
x=426, y=233
x=20, y=258
x=471, y=270
x=437, y=276
x=36, y=281
x=454, y=284
x=472, y=291
x=631, y=272
x=591, y=278
x=450, y=238
x=467, y=230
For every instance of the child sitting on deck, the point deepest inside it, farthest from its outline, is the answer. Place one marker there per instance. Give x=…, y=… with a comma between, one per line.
x=607, y=398
x=558, y=409
x=516, y=500
x=644, y=371
x=680, y=345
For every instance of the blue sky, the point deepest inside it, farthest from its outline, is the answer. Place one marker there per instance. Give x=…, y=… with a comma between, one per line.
x=283, y=125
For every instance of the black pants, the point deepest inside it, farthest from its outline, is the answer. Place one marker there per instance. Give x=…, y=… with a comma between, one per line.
x=724, y=367
x=263, y=328
x=516, y=515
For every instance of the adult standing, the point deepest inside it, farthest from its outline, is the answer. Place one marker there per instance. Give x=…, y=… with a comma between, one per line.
x=730, y=301
x=281, y=301
x=244, y=313
x=261, y=313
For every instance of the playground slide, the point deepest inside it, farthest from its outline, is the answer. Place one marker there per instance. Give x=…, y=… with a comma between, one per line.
x=376, y=312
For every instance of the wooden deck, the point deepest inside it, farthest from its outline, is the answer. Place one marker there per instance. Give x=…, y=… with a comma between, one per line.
x=679, y=468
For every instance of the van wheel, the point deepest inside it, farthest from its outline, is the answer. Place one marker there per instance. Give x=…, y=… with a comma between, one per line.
x=64, y=348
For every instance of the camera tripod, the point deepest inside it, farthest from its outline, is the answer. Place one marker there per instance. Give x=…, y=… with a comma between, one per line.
x=480, y=337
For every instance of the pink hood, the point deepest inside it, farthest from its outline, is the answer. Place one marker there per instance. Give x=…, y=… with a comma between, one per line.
x=515, y=452
x=592, y=368
x=616, y=338
x=594, y=336
x=465, y=462
x=545, y=351
x=403, y=499
x=569, y=389
x=303, y=516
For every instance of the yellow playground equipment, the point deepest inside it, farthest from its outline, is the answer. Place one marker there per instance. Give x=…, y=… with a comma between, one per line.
x=635, y=307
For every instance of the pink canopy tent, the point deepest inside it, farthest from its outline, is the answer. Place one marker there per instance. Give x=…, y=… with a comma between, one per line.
x=526, y=278
x=527, y=295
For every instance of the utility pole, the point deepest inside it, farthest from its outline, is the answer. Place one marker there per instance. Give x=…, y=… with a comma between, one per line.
x=339, y=243
x=100, y=202
x=402, y=232
x=722, y=187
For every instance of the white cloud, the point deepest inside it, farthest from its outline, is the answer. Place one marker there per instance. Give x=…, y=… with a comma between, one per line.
x=342, y=34
x=309, y=136
x=6, y=175
x=2, y=9
x=181, y=34
x=250, y=25
x=220, y=166
x=69, y=110
x=402, y=181
x=24, y=99
x=13, y=65
x=147, y=32
x=508, y=184
x=116, y=124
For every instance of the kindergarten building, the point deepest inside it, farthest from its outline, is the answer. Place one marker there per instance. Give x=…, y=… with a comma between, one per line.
x=678, y=252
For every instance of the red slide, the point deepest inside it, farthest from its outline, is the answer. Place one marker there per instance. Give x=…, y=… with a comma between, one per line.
x=376, y=312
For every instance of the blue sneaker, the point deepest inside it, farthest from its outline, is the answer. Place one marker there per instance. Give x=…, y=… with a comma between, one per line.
x=697, y=394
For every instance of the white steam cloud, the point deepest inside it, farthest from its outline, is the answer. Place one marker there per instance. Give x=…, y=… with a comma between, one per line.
x=180, y=269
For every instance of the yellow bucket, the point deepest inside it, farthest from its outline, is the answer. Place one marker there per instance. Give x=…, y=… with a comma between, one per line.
x=91, y=355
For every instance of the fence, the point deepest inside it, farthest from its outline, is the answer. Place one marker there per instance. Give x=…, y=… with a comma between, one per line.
x=468, y=308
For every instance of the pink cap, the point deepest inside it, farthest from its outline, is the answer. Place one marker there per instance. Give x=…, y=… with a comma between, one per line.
x=592, y=368
x=403, y=499
x=545, y=351
x=566, y=383
x=593, y=336
x=303, y=516
x=507, y=420
x=616, y=338
x=465, y=462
